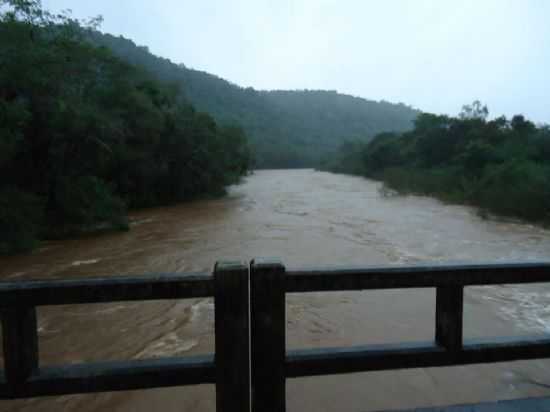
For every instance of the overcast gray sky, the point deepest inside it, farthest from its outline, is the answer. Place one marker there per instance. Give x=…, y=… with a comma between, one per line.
x=432, y=54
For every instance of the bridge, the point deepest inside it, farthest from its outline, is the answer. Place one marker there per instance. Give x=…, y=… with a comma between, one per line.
x=251, y=364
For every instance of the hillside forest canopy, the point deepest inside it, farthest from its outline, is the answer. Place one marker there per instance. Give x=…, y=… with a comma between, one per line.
x=500, y=165
x=286, y=129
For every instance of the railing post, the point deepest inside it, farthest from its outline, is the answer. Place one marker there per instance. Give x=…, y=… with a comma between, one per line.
x=232, y=331
x=20, y=341
x=448, y=317
x=268, y=335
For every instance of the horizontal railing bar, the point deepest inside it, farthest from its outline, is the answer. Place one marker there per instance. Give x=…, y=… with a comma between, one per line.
x=418, y=276
x=330, y=361
x=103, y=290
x=114, y=376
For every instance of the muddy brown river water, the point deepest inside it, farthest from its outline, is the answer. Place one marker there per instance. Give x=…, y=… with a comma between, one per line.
x=306, y=218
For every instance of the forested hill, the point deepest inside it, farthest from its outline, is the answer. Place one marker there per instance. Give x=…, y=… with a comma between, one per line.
x=286, y=128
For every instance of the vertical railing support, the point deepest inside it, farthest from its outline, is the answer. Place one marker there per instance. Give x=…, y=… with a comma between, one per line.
x=20, y=341
x=268, y=335
x=448, y=317
x=232, y=324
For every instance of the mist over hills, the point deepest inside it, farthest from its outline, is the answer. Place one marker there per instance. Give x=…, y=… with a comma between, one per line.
x=286, y=128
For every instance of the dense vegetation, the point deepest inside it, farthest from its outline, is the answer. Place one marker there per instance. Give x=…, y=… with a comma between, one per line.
x=501, y=165
x=85, y=135
x=286, y=128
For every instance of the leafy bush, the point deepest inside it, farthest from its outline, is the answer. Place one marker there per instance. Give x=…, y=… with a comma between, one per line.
x=21, y=216
x=87, y=201
x=516, y=188
x=444, y=183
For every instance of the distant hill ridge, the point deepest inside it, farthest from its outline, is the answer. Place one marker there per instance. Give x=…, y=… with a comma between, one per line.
x=285, y=128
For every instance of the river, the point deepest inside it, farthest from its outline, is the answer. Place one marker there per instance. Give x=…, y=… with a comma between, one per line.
x=306, y=218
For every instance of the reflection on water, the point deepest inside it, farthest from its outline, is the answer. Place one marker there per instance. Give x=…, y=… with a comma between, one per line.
x=305, y=218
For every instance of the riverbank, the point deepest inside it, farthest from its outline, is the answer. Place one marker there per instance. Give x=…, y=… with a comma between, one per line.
x=512, y=207
x=521, y=202
x=500, y=166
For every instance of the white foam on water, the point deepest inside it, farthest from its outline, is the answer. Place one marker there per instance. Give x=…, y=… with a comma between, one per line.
x=16, y=275
x=168, y=345
x=109, y=310
x=44, y=329
x=138, y=222
x=528, y=309
x=197, y=308
x=85, y=262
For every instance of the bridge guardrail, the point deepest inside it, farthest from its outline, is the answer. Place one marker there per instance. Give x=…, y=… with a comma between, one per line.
x=251, y=364
x=24, y=378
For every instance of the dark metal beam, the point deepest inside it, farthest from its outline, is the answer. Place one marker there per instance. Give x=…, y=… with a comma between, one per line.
x=232, y=322
x=421, y=276
x=114, y=376
x=329, y=361
x=20, y=344
x=449, y=305
x=104, y=290
x=268, y=335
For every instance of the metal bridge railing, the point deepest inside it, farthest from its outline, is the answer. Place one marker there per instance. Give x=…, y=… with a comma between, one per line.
x=272, y=363
x=24, y=378
x=251, y=364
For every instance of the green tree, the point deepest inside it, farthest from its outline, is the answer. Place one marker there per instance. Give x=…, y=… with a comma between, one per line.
x=476, y=110
x=85, y=135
